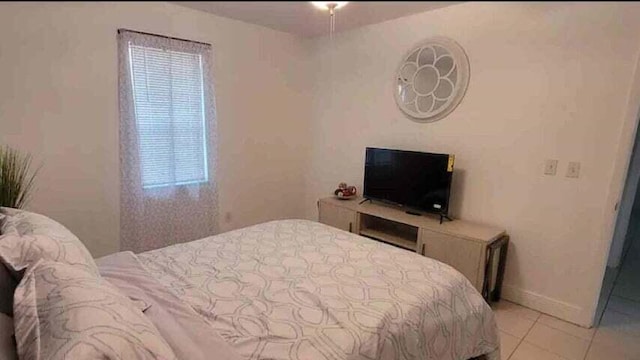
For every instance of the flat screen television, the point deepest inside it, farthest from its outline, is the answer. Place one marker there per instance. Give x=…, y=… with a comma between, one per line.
x=416, y=180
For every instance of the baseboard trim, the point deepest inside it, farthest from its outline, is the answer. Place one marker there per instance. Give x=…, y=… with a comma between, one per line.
x=547, y=305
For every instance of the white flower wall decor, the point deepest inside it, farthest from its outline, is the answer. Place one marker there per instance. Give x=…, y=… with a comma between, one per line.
x=432, y=79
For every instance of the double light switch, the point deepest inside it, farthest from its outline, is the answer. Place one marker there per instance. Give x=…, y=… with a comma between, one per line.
x=551, y=168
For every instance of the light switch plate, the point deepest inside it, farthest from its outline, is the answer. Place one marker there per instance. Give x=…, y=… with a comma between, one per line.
x=573, y=170
x=550, y=167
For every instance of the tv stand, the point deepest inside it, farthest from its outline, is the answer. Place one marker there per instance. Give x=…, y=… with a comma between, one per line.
x=444, y=216
x=415, y=213
x=364, y=201
x=475, y=250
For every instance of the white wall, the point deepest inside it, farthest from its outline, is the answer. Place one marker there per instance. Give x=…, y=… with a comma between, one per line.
x=548, y=81
x=59, y=101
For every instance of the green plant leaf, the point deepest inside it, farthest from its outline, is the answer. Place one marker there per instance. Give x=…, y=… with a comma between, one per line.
x=16, y=178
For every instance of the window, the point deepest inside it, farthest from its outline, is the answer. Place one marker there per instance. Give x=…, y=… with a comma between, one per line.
x=168, y=187
x=169, y=105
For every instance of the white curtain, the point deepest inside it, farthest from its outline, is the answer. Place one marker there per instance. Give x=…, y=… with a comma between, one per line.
x=159, y=206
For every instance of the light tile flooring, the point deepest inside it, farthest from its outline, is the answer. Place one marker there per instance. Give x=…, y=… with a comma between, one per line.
x=526, y=334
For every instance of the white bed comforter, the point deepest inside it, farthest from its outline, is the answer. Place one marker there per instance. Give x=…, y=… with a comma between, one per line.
x=297, y=289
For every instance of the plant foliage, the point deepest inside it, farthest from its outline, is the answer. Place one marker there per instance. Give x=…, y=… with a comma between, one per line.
x=16, y=178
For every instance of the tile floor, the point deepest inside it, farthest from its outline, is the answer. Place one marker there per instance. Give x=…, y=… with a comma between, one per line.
x=526, y=334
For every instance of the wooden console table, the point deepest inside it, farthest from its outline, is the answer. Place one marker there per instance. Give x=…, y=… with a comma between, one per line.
x=477, y=251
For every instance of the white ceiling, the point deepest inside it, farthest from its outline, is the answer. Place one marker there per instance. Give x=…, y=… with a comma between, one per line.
x=302, y=18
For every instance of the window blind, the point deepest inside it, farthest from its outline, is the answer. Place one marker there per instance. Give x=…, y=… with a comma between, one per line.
x=168, y=96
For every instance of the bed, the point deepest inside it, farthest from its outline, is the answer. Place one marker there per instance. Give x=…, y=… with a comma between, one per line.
x=298, y=290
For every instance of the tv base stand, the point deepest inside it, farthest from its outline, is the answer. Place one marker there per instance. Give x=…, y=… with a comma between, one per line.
x=415, y=213
x=444, y=216
x=475, y=250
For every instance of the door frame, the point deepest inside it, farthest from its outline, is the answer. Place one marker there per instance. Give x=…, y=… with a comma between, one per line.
x=622, y=170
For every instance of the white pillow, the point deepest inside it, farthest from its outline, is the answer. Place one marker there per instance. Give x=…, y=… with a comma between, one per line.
x=22, y=222
x=19, y=253
x=7, y=214
x=28, y=237
x=65, y=312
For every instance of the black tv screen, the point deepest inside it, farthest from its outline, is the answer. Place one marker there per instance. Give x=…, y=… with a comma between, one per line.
x=417, y=180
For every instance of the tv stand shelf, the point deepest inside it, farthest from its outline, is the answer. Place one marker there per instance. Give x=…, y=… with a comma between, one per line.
x=389, y=238
x=394, y=233
x=469, y=247
x=464, y=229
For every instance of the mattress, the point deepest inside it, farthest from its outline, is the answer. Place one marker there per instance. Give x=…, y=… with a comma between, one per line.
x=301, y=290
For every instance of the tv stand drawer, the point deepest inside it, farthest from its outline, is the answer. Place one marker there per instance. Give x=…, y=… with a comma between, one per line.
x=463, y=255
x=337, y=216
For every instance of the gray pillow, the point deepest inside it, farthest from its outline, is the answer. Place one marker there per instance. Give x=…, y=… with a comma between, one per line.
x=7, y=340
x=7, y=287
x=7, y=282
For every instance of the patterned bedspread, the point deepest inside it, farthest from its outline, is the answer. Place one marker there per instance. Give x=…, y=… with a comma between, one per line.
x=297, y=289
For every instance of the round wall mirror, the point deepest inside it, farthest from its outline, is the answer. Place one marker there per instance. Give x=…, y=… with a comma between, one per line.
x=431, y=79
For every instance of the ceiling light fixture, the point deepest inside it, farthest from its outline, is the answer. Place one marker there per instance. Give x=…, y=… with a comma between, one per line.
x=332, y=6
x=327, y=5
